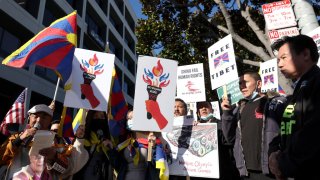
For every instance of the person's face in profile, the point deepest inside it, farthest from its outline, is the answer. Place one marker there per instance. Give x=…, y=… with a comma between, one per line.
x=37, y=163
x=179, y=109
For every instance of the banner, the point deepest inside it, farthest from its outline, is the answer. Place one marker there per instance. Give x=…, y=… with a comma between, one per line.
x=269, y=76
x=233, y=92
x=154, y=94
x=90, y=80
x=222, y=63
x=190, y=83
x=194, y=148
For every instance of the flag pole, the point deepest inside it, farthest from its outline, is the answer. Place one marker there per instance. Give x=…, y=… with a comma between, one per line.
x=56, y=91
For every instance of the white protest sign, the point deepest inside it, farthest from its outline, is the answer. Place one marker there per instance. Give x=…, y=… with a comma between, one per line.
x=216, y=109
x=154, y=97
x=279, y=15
x=277, y=34
x=315, y=34
x=91, y=80
x=269, y=76
x=222, y=62
x=190, y=83
x=194, y=149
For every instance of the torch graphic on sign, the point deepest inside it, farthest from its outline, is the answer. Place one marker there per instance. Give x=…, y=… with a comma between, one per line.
x=90, y=70
x=156, y=80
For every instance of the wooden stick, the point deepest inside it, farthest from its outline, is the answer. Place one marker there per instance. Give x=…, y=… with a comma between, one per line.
x=151, y=143
x=225, y=93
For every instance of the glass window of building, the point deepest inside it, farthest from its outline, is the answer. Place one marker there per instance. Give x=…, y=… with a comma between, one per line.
x=76, y=5
x=52, y=12
x=95, y=30
x=31, y=6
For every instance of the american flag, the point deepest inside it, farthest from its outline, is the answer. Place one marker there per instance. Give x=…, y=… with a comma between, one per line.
x=16, y=114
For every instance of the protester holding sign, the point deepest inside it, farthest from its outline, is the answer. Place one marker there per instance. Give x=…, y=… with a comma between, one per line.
x=299, y=152
x=227, y=168
x=97, y=143
x=245, y=127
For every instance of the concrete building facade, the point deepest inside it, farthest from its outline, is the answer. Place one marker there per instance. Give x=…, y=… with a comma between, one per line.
x=99, y=22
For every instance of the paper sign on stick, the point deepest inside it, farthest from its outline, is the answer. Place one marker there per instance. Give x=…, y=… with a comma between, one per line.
x=190, y=83
x=154, y=94
x=269, y=76
x=222, y=63
x=90, y=79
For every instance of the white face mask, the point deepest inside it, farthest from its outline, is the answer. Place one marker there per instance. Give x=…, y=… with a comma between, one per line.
x=208, y=117
x=129, y=124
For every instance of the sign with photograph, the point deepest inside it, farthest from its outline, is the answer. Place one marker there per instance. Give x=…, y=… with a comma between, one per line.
x=154, y=94
x=190, y=83
x=222, y=63
x=194, y=149
x=90, y=80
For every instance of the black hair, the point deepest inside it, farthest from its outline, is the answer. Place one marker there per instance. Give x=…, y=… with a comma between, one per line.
x=298, y=44
x=91, y=123
x=57, y=121
x=184, y=103
x=252, y=74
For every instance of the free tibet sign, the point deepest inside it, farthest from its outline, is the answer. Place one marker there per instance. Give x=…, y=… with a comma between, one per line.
x=277, y=34
x=279, y=15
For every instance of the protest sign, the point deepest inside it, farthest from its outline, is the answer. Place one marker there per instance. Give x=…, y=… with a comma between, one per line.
x=194, y=149
x=222, y=62
x=233, y=92
x=269, y=76
x=90, y=80
x=190, y=83
x=154, y=94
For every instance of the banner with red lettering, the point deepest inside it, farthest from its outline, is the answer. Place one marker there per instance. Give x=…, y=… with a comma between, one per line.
x=194, y=148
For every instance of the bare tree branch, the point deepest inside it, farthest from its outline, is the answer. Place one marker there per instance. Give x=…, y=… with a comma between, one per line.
x=259, y=33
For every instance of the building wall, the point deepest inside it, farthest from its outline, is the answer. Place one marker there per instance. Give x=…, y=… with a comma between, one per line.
x=100, y=23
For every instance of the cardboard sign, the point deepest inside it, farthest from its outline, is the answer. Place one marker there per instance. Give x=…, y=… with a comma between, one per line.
x=269, y=76
x=91, y=80
x=222, y=63
x=190, y=83
x=154, y=97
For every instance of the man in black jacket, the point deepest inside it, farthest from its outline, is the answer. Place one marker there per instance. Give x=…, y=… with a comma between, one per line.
x=298, y=155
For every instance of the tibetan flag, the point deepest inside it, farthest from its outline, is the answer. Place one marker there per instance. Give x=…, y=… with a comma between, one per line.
x=16, y=114
x=65, y=128
x=117, y=108
x=161, y=163
x=51, y=48
x=78, y=120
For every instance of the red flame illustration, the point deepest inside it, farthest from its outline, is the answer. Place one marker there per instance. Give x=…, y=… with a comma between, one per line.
x=93, y=61
x=157, y=70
